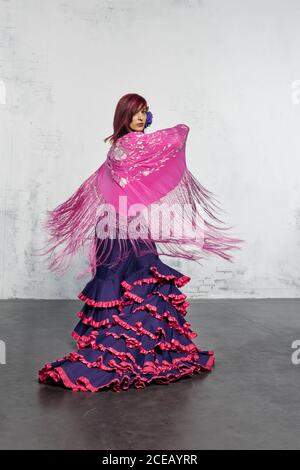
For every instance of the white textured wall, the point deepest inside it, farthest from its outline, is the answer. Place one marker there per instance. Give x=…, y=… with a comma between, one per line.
x=225, y=68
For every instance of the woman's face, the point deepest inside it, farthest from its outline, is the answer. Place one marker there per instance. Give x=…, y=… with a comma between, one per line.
x=139, y=120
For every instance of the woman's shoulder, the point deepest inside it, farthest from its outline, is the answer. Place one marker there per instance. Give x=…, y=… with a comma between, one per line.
x=134, y=134
x=177, y=126
x=131, y=139
x=183, y=126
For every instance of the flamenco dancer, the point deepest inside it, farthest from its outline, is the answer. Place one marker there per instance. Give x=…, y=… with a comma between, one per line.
x=142, y=202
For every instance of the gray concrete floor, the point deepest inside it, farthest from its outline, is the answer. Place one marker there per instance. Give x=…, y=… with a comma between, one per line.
x=250, y=400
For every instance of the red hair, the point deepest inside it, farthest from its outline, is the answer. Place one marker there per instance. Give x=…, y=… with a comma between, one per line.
x=127, y=106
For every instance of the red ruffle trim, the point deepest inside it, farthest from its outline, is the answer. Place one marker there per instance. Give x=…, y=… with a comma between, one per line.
x=173, y=345
x=173, y=323
x=91, y=322
x=178, y=281
x=58, y=374
x=83, y=384
x=149, y=367
x=100, y=303
x=177, y=301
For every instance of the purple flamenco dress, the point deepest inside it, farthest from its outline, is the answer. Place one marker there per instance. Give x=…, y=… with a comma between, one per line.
x=132, y=329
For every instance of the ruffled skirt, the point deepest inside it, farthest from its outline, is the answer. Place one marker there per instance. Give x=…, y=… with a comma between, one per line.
x=132, y=330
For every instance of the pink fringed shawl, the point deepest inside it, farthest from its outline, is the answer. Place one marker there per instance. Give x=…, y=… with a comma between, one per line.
x=143, y=190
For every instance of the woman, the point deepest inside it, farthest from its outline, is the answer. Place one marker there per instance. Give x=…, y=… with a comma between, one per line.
x=140, y=203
